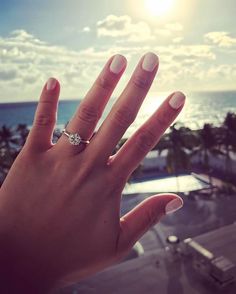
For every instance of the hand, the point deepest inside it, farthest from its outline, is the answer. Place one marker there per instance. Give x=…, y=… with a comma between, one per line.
x=60, y=204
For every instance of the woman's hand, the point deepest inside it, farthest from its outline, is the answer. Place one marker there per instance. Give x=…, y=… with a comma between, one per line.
x=60, y=204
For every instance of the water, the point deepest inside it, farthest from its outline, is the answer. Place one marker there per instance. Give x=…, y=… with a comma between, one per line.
x=208, y=107
x=182, y=183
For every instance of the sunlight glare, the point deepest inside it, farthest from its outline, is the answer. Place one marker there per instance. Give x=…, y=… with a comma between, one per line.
x=159, y=7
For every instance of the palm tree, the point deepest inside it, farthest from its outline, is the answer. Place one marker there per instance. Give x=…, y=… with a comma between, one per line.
x=228, y=139
x=22, y=134
x=7, y=137
x=207, y=146
x=8, y=146
x=178, y=143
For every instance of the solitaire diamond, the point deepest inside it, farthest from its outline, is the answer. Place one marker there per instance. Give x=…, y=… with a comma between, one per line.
x=74, y=139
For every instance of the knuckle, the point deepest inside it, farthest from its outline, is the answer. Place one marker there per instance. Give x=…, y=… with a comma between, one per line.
x=162, y=121
x=105, y=83
x=141, y=82
x=150, y=217
x=123, y=116
x=118, y=181
x=88, y=114
x=145, y=140
x=44, y=119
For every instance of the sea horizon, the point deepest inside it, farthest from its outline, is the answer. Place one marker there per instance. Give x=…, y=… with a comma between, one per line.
x=149, y=94
x=201, y=107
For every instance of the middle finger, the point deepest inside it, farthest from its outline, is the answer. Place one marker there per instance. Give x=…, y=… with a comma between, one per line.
x=126, y=108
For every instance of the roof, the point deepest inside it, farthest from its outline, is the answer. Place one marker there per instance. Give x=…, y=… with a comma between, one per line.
x=154, y=272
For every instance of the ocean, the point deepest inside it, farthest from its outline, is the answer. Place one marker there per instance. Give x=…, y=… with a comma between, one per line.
x=200, y=108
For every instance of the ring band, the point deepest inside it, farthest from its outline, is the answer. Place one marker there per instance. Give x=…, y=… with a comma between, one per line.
x=74, y=138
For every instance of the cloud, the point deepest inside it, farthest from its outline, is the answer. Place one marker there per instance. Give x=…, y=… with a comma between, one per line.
x=222, y=39
x=122, y=26
x=86, y=29
x=178, y=40
x=123, y=29
x=8, y=74
x=174, y=27
x=27, y=62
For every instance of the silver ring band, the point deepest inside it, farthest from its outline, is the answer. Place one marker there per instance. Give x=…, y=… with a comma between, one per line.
x=74, y=138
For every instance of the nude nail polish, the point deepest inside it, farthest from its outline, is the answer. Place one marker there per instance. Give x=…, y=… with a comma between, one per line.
x=177, y=100
x=118, y=63
x=173, y=205
x=150, y=61
x=51, y=84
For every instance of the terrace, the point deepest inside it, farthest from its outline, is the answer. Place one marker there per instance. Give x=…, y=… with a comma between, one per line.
x=201, y=257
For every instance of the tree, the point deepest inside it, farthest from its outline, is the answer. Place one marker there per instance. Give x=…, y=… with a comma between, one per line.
x=228, y=139
x=208, y=146
x=178, y=143
x=8, y=149
x=7, y=137
x=22, y=134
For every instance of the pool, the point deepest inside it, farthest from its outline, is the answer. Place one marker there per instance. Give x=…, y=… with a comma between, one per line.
x=172, y=184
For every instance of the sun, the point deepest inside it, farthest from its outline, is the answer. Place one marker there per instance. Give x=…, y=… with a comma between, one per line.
x=159, y=7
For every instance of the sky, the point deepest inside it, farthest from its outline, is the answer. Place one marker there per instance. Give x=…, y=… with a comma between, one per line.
x=71, y=40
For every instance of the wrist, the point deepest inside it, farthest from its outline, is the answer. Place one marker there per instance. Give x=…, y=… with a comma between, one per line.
x=22, y=275
x=19, y=280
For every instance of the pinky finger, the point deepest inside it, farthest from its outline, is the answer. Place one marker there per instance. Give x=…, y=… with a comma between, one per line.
x=40, y=136
x=148, y=135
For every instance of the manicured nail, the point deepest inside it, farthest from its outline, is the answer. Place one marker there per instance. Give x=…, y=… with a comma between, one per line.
x=51, y=84
x=118, y=63
x=150, y=61
x=177, y=100
x=174, y=205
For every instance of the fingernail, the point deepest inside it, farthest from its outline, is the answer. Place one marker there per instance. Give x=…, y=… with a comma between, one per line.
x=174, y=205
x=118, y=63
x=150, y=61
x=177, y=100
x=51, y=84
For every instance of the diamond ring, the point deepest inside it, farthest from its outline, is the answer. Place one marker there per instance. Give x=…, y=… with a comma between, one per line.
x=75, y=138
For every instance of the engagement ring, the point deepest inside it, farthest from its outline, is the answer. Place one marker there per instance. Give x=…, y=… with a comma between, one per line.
x=75, y=138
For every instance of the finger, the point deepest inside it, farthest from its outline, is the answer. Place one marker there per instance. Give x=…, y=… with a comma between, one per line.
x=126, y=108
x=140, y=219
x=91, y=108
x=147, y=136
x=40, y=136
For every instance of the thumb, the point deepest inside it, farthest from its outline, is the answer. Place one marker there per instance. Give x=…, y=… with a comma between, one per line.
x=136, y=222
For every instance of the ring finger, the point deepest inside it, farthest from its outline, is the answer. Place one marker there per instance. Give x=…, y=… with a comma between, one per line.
x=91, y=108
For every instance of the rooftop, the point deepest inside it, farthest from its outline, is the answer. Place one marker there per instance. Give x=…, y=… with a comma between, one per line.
x=158, y=271
x=153, y=272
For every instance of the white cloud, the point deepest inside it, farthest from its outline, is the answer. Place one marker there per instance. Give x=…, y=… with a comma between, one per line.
x=178, y=40
x=27, y=62
x=124, y=29
x=122, y=26
x=86, y=29
x=8, y=74
x=174, y=27
x=222, y=39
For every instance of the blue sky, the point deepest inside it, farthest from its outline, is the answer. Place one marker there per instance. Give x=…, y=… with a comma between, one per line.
x=71, y=40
